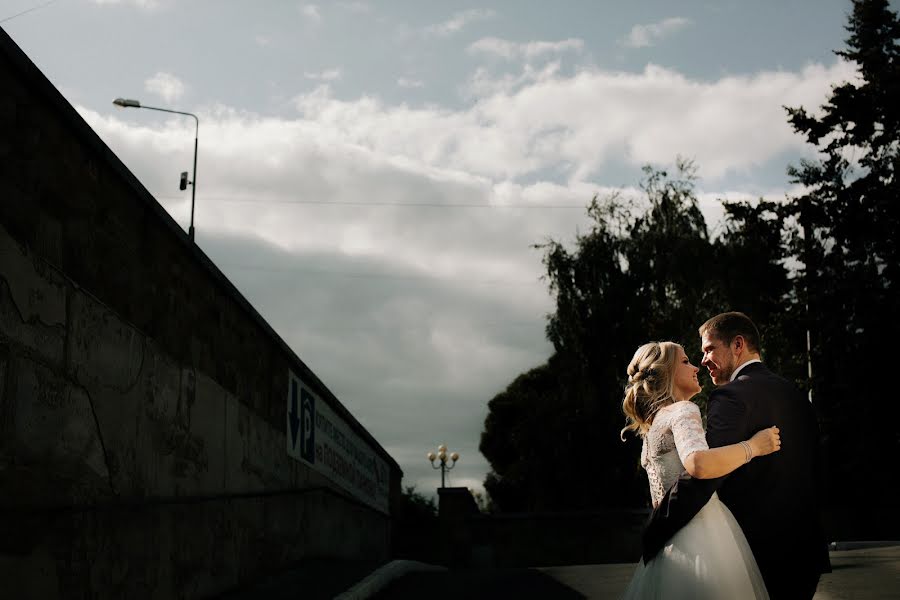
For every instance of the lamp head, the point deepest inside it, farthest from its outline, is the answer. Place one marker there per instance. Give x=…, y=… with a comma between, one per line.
x=127, y=103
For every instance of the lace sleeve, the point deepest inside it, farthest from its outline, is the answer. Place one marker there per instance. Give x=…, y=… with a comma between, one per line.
x=687, y=429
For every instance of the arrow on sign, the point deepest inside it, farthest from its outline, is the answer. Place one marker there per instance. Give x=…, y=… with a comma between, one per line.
x=294, y=418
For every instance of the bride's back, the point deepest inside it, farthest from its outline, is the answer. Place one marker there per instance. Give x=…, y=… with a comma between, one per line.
x=676, y=432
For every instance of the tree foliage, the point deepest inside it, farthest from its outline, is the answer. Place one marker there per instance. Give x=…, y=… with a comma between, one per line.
x=846, y=238
x=639, y=274
x=818, y=273
x=414, y=526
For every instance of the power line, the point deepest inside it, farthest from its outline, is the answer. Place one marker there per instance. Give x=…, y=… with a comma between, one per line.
x=375, y=275
x=26, y=11
x=402, y=204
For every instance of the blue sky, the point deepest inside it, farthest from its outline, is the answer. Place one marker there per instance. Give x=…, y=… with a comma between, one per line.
x=336, y=137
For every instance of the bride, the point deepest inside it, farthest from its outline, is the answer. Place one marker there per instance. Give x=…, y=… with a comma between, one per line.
x=709, y=557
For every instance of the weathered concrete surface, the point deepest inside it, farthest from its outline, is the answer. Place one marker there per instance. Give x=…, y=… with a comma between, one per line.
x=34, y=310
x=177, y=550
x=142, y=399
x=126, y=474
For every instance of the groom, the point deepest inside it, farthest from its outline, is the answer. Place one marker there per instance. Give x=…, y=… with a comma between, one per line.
x=774, y=498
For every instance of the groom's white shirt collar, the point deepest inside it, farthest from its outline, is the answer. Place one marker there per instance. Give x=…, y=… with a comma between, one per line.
x=738, y=370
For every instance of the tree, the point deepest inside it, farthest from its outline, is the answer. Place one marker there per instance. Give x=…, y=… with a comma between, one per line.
x=414, y=505
x=552, y=437
x=639, y=274
x=523, y=438
x=848, y=220
x=754, y=252
x=414, y=526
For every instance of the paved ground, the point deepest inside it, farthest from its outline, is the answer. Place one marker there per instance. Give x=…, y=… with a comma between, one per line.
x=309, y=580
x=861, y=573
x=868, y=573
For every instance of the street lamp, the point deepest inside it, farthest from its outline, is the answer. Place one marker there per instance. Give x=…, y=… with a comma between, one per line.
x=442, y=461
x=128, y=103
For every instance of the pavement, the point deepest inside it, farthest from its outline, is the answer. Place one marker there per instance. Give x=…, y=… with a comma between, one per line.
x=314, y=579
x=861, y=571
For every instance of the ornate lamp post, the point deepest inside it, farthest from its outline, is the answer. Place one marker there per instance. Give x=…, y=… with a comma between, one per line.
x=441, y=456
x=128, y=103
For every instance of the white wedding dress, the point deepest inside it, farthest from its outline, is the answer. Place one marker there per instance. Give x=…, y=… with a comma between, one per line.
x=709, y=557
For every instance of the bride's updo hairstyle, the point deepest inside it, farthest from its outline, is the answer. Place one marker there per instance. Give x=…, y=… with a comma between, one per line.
x=650, y=384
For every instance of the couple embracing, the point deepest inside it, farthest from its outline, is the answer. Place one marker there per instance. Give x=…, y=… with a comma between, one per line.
x=736, y=513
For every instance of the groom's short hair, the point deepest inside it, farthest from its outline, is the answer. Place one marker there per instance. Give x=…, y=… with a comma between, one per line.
x=727, y=326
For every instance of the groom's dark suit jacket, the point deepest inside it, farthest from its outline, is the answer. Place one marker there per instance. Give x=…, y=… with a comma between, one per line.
x=775, y=498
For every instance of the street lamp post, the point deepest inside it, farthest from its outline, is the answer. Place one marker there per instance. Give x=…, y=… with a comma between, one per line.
x=441, y=456
x=128, y=103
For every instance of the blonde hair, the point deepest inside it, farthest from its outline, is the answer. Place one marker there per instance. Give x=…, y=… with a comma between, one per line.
x=650, y=385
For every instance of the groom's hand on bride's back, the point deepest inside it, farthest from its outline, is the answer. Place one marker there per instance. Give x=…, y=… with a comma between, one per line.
x=765, y=441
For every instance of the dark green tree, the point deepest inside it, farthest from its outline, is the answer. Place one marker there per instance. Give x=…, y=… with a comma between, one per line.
x=552, y=437
x=646, y=270
x=523, y=430
x=847, y=241
x=753, y=253
x=414, y=524
x=414, y=505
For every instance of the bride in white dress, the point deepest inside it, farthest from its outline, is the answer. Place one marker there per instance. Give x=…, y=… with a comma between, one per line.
x=709, y=557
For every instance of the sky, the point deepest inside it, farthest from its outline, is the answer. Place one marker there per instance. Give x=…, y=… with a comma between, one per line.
x=373, y=176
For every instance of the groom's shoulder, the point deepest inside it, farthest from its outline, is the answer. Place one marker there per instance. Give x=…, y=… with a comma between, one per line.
x=727, y=393
x=758, y=379
x=755, y=374
x=760, y=373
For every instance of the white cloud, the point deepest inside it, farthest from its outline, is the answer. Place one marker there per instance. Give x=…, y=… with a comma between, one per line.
x=356, y=7
x=527, y=50
x=410, y=83
x=399, y=303
x=642, y=36
x=326, y=75
x=146, y=4
x=262, y=40
x=311, y=13
x=166, y=86
x=577, y=123
x=459, y=20
x=485, y=83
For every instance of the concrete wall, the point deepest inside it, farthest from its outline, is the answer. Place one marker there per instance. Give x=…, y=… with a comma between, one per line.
x=142, y=400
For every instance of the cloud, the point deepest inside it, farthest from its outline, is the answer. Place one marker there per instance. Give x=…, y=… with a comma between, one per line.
x=642, y=36
x=518, y=127
x=326, y=75
x=166, y=86
x=484, y=82
x=410, y=83
x=145, y=4
x=311, y=13
x=527, y=50
x=262, y=40
x=391, y=246
x=459, y=20
x=399, y=303
x=355, y=7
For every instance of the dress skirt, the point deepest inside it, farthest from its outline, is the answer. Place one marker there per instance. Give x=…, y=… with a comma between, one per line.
x=709, y=558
